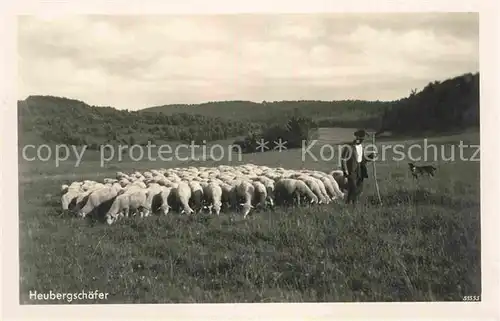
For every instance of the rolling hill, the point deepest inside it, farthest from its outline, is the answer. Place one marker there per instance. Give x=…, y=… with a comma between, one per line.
x=452, y=104
x=265, y=112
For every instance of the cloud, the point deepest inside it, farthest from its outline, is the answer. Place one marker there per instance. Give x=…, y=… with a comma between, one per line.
x=139, y=61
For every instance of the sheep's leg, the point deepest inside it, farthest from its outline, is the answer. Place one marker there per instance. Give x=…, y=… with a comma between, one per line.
x=270, y=200
x=146, y=211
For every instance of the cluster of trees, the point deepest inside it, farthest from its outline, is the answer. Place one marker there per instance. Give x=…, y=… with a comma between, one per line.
x=439, y=107
x=69, y=121
x=292, y=131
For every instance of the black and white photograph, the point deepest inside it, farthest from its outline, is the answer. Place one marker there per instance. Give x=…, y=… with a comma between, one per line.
x=249, y=157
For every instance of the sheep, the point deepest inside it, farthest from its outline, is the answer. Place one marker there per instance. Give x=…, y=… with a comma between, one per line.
x=131, y=201
x=245, y=190
x=119, y=207
x=120, y=175
x=322, y=188
x=70, y=193
x=98, y=197
x=260, y=194
x=269, y=185
x=90, y=184
x=192, y=189
x=314, y=187
x=138, y=183
x=138, y=202
x=124, y=182
x=82, y=197
x=155, y=172
x=165, y=196
x=163, y=181
x=229, y=197
x=332, y=188
x=153, y=196
x=338, y=176
x=288, y=188
x=213, y=195
x=196, y=195
x=64, y=188
x=183, y=194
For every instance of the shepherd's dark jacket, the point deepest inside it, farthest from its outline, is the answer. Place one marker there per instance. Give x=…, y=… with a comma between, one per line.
x=350, y=165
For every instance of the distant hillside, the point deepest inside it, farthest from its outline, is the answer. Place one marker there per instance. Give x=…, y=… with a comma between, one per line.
x=449, y=105
x=444, y=106
x=63, y=120
x=340, y=113
x=69, y=121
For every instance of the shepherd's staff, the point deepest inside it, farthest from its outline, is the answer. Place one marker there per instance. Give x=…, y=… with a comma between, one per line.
x=375, y=172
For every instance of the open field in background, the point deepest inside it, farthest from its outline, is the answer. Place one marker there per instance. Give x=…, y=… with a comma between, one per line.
x=423, y=243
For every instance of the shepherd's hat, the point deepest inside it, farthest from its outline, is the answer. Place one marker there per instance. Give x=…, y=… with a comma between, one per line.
x=360, y=133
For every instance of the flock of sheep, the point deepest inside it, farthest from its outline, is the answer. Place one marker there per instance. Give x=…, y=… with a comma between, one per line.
x=197, y=189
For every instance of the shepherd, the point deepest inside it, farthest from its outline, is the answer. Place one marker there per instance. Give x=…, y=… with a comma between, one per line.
x=353, y=164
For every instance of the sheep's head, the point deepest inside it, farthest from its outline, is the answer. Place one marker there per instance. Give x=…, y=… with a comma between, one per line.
x=165, y=209
x=109, y=219
x=270, y=202
x=145, y=212
x=187, y=211
x=81, y=214
x=64, y=188
x=246, y=208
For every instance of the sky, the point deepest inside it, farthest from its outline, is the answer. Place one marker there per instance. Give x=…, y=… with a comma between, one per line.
x=134, y=62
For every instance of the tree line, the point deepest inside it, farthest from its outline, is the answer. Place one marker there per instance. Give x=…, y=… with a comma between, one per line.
x=449, y=105
x=439, y=107
x=68, y=121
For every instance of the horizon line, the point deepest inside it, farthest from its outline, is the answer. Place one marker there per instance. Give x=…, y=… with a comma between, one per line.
x=252, y=101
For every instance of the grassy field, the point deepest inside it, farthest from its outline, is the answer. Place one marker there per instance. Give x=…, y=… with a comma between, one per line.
x=422, y=244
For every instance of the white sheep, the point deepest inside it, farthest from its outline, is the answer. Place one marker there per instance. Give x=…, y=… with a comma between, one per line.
x=289, y=189
x=245, y=190
x=314, y=187
x=153, y=196
x=183, y=194
x=82, y=197
x=229, y=196
x=196, y=195
x=130, y=202
x=70, y=193
x=213, y=195
x=260, y=194
x=98, y=197
x=338, y=176
x=332, y=188
x=165, y=196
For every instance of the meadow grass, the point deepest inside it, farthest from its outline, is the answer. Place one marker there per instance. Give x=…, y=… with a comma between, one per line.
x=422, y=243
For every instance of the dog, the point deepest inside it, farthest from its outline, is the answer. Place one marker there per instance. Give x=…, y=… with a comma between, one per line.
x=421, y=170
